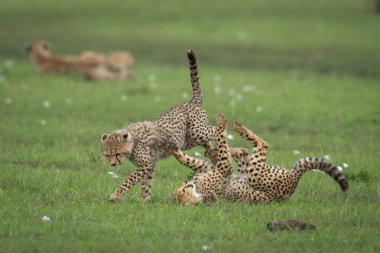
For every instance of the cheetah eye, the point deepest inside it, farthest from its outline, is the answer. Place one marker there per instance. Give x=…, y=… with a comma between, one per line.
x=118, y=154
x=183, y=190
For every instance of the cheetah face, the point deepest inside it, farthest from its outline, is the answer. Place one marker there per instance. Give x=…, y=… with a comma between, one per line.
x=187, y=194
x=38, y=48
x=117, y=146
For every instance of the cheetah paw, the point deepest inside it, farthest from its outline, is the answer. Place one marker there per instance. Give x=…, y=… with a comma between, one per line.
x=236, y=126
x=172, y=145
x=211, y=153
x=114, y=197
x=221, y=120
x=146, y=199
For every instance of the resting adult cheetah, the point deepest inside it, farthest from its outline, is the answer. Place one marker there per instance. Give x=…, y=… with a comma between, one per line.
x=255, y=182
x=90, y=64
x=144, y=143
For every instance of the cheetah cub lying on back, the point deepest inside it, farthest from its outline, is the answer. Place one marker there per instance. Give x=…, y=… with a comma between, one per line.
x=94, y=66
x=145, y=143
x=255, y=182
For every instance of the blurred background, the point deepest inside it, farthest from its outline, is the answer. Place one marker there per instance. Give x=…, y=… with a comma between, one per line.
x=324, y=35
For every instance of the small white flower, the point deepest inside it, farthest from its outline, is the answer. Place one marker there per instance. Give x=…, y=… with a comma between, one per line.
x=296, y=152
x=123, y=98
x=217, y=78
x=339, y=168
x=157, y=99
x=68, y=101
x=8, y=101
x=259, y=109
x=197, y=154
x=231, y=92
x=115, y=176
x=241, y=34
x=249, y=88
x=185, y=94
x=46, y=104
x=43, y=122
x=327, y=157
x=345, y=165
x=239, y=97
x=45, y=218
x=8, y=63
x=206, y=247
x=111, y=173
x=230, y=137
x=152, y=77
x=153, y=86
x=217, y=89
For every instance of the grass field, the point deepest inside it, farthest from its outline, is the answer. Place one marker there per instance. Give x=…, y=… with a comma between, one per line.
x=302, y=75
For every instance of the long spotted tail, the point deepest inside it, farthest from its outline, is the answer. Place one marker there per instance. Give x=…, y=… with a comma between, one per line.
x=197, y=94
x=309, y=163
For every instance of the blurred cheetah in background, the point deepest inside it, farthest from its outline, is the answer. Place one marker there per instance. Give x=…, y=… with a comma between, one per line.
x=93, y=66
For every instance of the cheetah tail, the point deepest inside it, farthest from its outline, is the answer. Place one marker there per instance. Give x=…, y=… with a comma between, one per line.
x=309, y=163
x=197, y=94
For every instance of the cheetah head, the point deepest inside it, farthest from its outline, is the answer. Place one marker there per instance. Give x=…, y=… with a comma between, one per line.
x=186, y=194
x=117, y=146
x=41, y=48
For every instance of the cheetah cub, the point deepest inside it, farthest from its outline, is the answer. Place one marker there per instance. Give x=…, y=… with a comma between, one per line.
x=255, y=182
x=94, y=66
x=145, y=143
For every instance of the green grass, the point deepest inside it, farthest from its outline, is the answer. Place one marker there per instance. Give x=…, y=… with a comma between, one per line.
x=315, y=67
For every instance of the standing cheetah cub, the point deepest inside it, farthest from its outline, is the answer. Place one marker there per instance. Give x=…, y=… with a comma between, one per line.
x=145, y=143
x=255, y=182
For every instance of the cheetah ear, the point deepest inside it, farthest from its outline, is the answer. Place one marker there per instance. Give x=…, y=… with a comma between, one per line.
x=46, y=45
x=104, y=137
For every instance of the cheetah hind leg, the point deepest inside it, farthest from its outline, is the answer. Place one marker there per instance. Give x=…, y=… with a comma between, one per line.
x=259, y=146
x=188, y=161
x=200, y=132
x=147, y=187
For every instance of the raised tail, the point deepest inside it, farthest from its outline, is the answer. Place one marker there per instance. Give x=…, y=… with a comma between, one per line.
x=309, y=163
x=197, y=94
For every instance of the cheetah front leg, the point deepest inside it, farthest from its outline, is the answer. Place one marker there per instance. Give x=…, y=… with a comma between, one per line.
x=133, y=179
x=223, y=163
x=143, y=173
x=190, y=162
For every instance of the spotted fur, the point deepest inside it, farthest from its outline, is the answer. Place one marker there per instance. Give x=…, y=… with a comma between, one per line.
x=145, y=143
x=92, y=65
x=256, y=181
